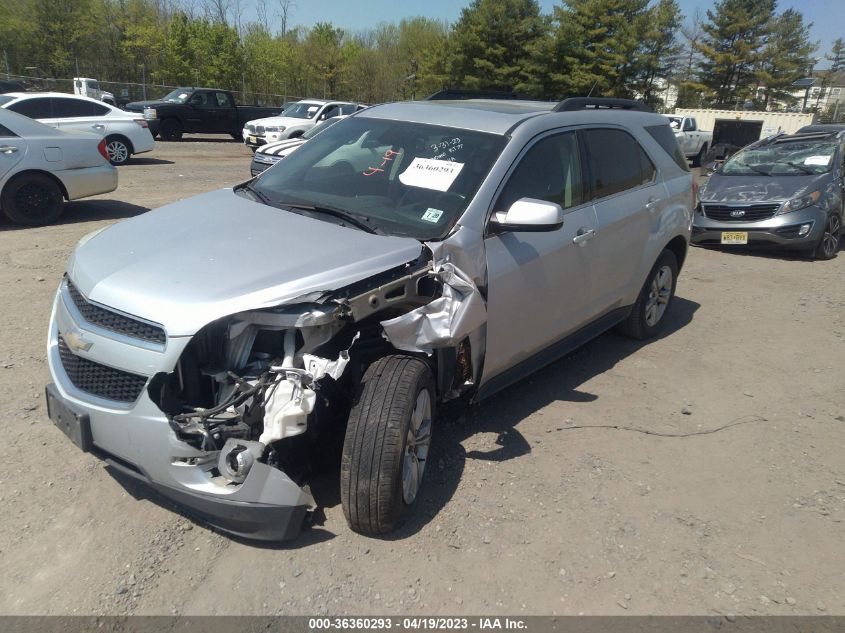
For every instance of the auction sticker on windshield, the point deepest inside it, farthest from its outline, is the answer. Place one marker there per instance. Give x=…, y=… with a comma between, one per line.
x=734, y=237
x=430, y=173
x=817, y=160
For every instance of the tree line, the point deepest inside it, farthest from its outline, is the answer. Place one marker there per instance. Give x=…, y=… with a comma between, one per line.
x=739, y=50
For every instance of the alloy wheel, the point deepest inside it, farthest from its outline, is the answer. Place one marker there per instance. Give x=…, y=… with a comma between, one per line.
x=117, y=151
x=659, y=293
x=416, y=447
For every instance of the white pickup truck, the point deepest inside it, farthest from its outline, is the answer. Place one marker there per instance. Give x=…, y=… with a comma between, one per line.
x=694, y=142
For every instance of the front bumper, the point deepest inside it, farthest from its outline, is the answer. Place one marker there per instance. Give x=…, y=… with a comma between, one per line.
x=780, y=230
x=135, y=438
x=256, y=167
x=154, y=124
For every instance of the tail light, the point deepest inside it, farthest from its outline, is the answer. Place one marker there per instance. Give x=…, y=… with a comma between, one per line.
x=101, y=147
x=142, y=122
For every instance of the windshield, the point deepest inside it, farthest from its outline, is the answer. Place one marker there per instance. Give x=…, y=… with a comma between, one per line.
x=180, y=95
x=301, y=110
x=785, y=158
x=405, y=178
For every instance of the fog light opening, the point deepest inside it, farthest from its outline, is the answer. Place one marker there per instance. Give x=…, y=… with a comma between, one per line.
x=804, y=229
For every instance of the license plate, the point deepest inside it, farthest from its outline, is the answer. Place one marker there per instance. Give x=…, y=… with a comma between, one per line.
x=734, y=237
x=74, y=424
x=251, y=139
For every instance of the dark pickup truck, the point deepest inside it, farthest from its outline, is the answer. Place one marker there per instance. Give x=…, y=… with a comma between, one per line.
x=198, y=110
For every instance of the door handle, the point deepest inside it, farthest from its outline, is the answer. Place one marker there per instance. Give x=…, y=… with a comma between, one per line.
x=651, y=205
x=8, y=149
x=583, y=235
x=98, y=126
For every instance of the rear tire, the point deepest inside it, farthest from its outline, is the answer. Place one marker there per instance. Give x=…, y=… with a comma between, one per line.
x=118, y=149
x=386, y=446
x=828, y=245
x=170, y=130
x=32, y=200
x=649, y=311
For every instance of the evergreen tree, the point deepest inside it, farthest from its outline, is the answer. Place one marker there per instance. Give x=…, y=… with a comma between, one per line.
x=837, y=55
x=732, y=47
x=595, y=46
x=491, y=45
x=785, y=57
x=659, y=50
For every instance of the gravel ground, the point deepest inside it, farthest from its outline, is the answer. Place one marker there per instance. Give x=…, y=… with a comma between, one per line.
x=700, y=473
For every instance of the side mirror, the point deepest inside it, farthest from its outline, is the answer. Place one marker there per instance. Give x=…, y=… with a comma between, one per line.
x=529, y=214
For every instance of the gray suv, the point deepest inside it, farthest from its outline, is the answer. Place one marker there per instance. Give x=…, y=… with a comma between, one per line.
x=786, y=191
x=223, y=348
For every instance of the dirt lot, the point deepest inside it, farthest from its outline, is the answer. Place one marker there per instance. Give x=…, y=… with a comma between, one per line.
x=723, y=493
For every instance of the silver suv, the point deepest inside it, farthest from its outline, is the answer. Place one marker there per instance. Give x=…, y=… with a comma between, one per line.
x=221, y=348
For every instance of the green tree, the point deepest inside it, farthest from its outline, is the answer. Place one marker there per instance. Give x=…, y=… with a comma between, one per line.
x=659, y=49
x=732, y=48
x=837, y=55
x=491, y=45
x=785, y=57
x=595, y=46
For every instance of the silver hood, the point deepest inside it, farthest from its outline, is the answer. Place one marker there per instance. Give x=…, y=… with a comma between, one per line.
x=197, y=260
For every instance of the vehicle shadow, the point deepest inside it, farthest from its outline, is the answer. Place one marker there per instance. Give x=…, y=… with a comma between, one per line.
x=766, y=252
x=502, y=413
x=86, y=211
x=138, y=162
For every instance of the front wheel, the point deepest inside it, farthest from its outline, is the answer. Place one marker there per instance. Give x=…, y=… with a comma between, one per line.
x=652, y=303
x=32, y=200
x=170, y=130
x=387, y=443
x=828, y=245
x=699, y=158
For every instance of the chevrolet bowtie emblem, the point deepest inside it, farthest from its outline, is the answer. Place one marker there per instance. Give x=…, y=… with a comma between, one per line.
x=75, y=341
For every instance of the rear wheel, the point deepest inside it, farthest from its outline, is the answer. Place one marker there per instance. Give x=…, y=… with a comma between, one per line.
x=118, y=149
x=32, y=200
x=828, y=245
x=651, y=306
x=386, y=446
x=170, y=130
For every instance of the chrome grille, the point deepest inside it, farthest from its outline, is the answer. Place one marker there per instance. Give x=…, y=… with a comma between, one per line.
x=114, y=321
x=259, y=129
x=750, y=213
x=100, y=380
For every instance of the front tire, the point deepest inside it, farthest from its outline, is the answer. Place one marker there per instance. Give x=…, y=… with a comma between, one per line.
x=828, y=245
x=32, y=200
x=386, y=446
x=170, y=130
x=649, y=311
x=118, y=149
x=699, y=158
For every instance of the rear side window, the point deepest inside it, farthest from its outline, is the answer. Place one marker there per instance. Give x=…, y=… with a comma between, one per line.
x=38, y=108
x=550, y=171
x=223, y=100
x=100, y=110
x=72, y=108
x=665, y=137
x=617, y=162
x=6, y=132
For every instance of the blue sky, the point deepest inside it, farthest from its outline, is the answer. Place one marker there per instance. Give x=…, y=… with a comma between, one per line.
x=828, y=16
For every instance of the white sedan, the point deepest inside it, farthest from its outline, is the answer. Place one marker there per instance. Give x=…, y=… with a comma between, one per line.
x=41, y=167
x=125, y=134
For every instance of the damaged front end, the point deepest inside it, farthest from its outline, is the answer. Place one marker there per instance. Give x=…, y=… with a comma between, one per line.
x=271, y=389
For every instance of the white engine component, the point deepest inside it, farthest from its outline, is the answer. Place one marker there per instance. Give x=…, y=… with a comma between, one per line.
x=286, y=411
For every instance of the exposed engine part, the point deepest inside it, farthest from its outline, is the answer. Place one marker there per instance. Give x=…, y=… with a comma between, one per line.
x=237, y=457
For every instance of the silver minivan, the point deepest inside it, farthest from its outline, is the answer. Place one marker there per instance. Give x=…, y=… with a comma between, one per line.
x=223, y=347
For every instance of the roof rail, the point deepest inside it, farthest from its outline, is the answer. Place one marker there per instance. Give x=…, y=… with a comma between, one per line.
x=460, y=94
x=600, y=103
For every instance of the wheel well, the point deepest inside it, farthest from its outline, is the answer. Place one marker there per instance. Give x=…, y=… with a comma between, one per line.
x=678, y=246
x=52, y=177
x=125, y=140
x=168, y=120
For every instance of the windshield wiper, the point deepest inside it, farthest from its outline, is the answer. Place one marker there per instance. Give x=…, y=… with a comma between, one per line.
x=255, y=193
x=359, y=221
x=760, y=171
